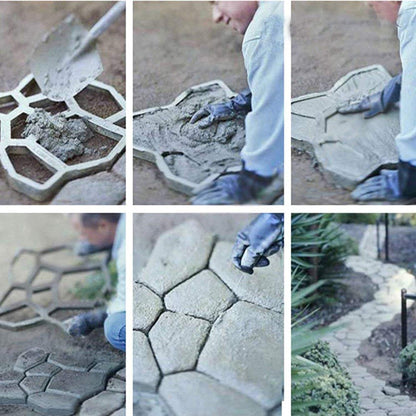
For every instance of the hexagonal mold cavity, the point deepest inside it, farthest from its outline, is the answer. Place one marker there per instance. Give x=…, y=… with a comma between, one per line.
x=98, y=101
x=68, y=281
x=23, y=266
x=49, y=106
x=44, y=277
x=12, y=296
x=186, y=155
x=27, y=165
x=7, y=104
x=31, y=88
x=17, y=125
x=23, y=315
x=44, y=299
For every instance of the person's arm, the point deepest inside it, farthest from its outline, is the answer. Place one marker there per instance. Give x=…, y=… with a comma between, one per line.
x=260, y=239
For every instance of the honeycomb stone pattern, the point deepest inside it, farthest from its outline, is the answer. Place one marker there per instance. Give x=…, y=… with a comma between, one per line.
x=60, y=387
x=347, y=147
x=174, y=181
x=30, y=287
x=27, y=97
x=208, y=339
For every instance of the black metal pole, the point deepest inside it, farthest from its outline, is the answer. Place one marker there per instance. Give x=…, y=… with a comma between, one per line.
x=404, y=319
x=386, y=247
x=378, y=238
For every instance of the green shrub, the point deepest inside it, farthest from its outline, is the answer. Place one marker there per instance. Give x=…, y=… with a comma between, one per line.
x=407, y=362
x=329, y=392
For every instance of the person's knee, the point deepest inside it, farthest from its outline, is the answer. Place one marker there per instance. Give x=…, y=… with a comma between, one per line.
x=115, y=330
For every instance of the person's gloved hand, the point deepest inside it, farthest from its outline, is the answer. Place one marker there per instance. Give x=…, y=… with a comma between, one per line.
x=84, y=248
x=239, y=105
x=377, y=103
x=85, y=323
x=232, y=188
x=260, y=239
x=390, y=185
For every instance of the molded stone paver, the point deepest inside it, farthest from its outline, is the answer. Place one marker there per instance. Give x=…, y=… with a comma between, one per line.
x=357, y=326
x=11, y=393
x=176, y=340
x=182, y=393
x=53, y=404
x=30, y=359
x=120, y=412
x=44, y=369
x=34, y=384
x=146, y=373
x=346, y=146
x=202, y=296
x=264, y=287
x=219, y=339
x=103, y=404
x=148, y=404
x=168, y=267
x=147, y=307
x=65, y=387
x=80, y=385
x=245, y=352
x=121, y=374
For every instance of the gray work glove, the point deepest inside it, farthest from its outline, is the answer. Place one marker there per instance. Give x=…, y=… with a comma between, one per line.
x=260, y=239
x=232, y=188
x=390, y=185
x=239, y=105
x=377, y=103
x=85, y=323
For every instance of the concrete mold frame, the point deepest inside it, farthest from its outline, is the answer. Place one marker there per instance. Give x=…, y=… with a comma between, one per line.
x=348, y=148
x=30, y=286
x=174, y=181
x=17, y=104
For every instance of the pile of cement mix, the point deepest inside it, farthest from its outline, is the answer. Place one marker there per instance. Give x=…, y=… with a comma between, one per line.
x=62, y=137
x=190, y=152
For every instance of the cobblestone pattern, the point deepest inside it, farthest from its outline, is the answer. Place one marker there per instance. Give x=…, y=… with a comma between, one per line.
x=28, y=285
x=203, y=344
x=377, y=399
x=58, y=386
x=23, y=101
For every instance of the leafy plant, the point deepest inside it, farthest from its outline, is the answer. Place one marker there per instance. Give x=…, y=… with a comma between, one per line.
x=407, y=362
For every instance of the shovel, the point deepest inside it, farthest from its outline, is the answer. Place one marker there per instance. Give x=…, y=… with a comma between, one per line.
x=67, y=60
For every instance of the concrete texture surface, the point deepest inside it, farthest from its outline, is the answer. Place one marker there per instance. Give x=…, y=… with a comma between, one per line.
x=330, y=39
x=176, y=45
x=38, y=18
x=222, y=353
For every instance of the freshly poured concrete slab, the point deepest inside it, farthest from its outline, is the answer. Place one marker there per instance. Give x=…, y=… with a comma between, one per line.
x=347, y=147
x=187, y=155
x=213, y=342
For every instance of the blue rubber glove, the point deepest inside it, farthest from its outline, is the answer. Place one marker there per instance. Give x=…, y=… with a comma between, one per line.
x=390, y=185
x=240, y=105
x=232, y=188
x=85, y=323
x=377, y=103
x=260, y=239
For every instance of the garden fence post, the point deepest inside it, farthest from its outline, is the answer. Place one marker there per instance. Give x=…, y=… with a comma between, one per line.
x=404, y=319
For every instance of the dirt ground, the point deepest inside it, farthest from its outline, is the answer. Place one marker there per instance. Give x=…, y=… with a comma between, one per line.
x=330, y=39
x=39, y=231
x=176, y=46
x=22, y=25
x=147, y=228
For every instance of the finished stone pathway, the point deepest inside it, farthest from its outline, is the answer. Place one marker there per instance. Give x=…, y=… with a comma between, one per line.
x=377, y=399
x=208, y=339
x=57, y=386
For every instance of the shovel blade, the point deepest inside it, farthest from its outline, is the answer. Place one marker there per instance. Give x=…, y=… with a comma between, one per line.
x=58, y=76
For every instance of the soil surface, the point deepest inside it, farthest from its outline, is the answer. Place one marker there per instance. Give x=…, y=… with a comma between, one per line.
x=39, y=231
x=22, y=26
x=176, y=46
x=329, y=39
